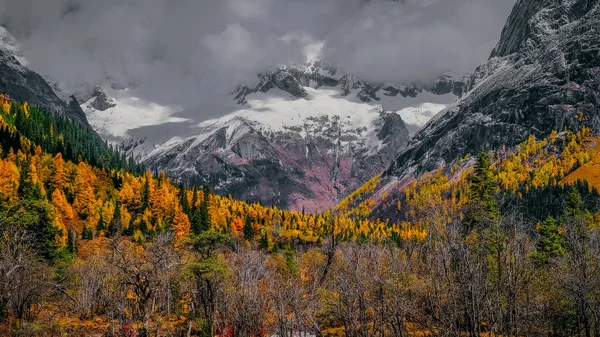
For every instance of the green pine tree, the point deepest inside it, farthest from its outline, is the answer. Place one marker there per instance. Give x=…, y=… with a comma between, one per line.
x=203, y=213
x=195, y=217
x=183, y=201
x=101, y=226
x=551, y=242
x=263, y=243
x=71, y=247
x=146, y=195
x=482, y=207
x=143, y=227
x=86, y=234
x=115, y=225
x=249, y=229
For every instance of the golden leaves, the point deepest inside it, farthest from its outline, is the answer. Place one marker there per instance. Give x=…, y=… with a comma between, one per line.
x=9, y=181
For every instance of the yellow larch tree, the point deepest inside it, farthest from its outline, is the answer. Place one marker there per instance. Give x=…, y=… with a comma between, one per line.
x=85, y=203
x=181, y=225
x=9, y=181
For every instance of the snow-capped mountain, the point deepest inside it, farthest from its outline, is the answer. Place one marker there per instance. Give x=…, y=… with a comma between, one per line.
x=542, y=74
x=300, y=137
x=113, y=113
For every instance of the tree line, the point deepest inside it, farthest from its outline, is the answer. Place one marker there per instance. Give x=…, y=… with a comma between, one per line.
x=91, y=249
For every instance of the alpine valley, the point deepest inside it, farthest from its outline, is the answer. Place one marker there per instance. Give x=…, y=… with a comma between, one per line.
x=305, y=202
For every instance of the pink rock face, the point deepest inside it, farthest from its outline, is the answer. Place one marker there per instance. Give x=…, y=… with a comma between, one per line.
x=310, y=174
x=292, y=169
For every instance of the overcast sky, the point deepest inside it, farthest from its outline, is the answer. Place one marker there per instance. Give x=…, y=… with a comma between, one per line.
x=184, y=51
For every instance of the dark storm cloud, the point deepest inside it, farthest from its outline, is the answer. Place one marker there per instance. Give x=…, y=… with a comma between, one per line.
x=184, y=51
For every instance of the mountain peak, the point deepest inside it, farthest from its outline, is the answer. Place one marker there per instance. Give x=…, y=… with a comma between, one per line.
x=532, y=21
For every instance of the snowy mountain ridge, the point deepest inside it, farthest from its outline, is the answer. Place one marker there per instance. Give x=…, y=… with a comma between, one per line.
x=301, y=136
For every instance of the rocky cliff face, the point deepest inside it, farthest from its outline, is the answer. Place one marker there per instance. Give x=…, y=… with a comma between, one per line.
x=543, y=75
x=25, y=85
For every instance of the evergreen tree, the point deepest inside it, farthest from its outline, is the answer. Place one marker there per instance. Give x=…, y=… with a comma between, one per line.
x=71, y=247
x=291, y=262
x=195, y=217
x=248, y=229
x=86, y=234
x=551, y=242
x=115, y=225
x=263, y=243
x=183, y=201
x=101, y=226
x=143, y=227
x=574, y=203
x=204, y=213
x=481, y=207
x=146, y=195
x=35, y=217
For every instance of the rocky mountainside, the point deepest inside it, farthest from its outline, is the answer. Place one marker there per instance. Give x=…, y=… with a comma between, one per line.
x=25, y=85
x=300, y=137
x=543, y=75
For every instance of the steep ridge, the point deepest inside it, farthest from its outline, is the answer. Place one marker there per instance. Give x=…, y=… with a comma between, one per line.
x=543, y=75
x=23, y=84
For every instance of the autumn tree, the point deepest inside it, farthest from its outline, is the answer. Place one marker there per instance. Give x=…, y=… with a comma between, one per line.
x=181, y=225
x=59, y=175
x=85, y=199
x=144, y=272
x=9, y=182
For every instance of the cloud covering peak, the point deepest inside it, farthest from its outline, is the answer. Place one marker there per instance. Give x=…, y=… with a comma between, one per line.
x=184, y=51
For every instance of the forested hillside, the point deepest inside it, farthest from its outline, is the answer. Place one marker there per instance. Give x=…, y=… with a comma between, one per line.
x=506, y=244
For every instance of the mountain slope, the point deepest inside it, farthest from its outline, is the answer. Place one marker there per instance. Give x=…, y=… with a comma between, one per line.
x=543, y=75
x=544, y=72
x=23, y=84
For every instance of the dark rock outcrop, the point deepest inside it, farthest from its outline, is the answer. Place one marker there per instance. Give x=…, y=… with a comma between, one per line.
x=293, y=79
x=101, y=101
x=25, y=85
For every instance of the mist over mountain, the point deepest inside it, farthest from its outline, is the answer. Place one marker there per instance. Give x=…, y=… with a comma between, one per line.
x=183, y=53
